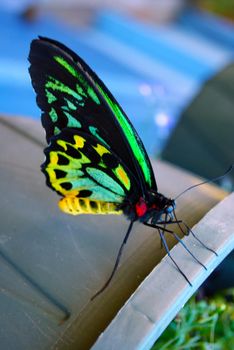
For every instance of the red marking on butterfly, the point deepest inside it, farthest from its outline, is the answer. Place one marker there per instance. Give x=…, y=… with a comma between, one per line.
x=141, y=207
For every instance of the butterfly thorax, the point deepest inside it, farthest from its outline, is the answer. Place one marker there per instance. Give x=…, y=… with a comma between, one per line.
x=154, y=207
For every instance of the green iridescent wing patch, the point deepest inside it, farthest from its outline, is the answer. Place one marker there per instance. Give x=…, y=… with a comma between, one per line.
x=78, y=165
x=132, y=137
x=64, y=104
x=71, y=95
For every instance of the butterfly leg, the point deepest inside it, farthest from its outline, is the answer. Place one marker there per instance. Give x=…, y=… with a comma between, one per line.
x=185, y=247
x=170, y=222
x=157, y=227
x=166, y=222
x=181, y=242
x=116, y=262
x=189, y=230
x=203, y=244
x=184, y=232
x=173, y=260
x=164, y=227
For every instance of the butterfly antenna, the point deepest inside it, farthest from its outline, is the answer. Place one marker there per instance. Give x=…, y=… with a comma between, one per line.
x=206, y=181
x=116, y=262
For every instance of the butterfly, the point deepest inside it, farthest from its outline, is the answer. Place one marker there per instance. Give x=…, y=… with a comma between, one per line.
x=95, y=160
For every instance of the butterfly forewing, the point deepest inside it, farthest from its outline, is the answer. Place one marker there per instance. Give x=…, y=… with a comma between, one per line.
x=71, y=95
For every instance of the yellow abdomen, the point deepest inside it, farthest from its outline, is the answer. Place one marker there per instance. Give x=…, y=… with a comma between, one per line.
x=76, y=206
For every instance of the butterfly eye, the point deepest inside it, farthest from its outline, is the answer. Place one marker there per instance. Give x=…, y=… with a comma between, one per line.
x=170, y=208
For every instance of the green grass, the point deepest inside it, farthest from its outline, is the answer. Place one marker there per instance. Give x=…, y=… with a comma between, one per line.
x=202, y=325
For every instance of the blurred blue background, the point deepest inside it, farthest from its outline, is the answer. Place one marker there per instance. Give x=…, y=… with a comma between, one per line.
x=153, y=66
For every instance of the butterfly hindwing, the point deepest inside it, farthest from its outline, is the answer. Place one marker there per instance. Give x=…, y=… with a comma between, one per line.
x=71, y=95
x=79, y=166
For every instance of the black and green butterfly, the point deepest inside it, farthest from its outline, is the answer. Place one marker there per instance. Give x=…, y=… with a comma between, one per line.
x=95, y=159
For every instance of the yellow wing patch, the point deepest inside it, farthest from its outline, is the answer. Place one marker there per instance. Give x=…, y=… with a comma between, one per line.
x=123, y=177
x=101, y=149
x=79, y=142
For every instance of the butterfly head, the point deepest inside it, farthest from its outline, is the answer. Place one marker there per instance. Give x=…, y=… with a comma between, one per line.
x=170, y=206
